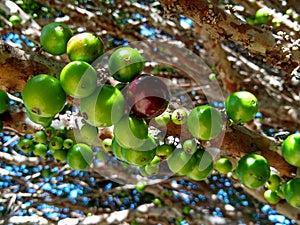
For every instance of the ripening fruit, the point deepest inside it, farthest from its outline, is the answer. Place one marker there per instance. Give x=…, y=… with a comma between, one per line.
x=223, y=165
x=104, y=107
x=78, y=79
x=291, y=149
x=147, y=96
x=241, y=106
x=125, y=64
x=80, y=156
x=85, y=46
x=54, y=38
x=204, y=122
x=43, y=95
x=253, y=170
x=4, y=101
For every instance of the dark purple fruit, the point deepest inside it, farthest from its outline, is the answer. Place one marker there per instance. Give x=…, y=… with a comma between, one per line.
x=147, y=96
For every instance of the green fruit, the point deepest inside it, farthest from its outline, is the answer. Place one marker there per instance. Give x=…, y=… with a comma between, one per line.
x=223, y=165
x=80, y=156
x=253, y=170
x=89, y=133
x=163, y=119
x=60, y=155
x=85, y=47
x=164, y=151
x=141, y=186
x=263, y=15
x=274, y=182
x=56, y=143
x=204, y=165
x=54, y=38
x=131, y=132
x=43, y=95
x=181, y=162
x=142, y=155
x=291, y=149
x=50, y=132
x=40, y=149
x=4, y=101
x=78, y=79
x=117, y=149
x=41, y=120
x=125, y=64
x=61, y=131
x=241, y=106
x=104, y=107
x=271, y=196
x=107, y=144
x=179, y=116
x=204, y=122
x=292, y=192
x=190, y=146
x=26, y=145
x=68, y=143
x=40, y=136
x=152, y=170
x=15, y=20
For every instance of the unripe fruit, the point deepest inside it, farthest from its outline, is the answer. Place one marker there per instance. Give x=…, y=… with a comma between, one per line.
x=292, y=192
x=15, y=20
x=40, y=136
x=80, y=156
x=78, y=79
x=107, y=144
x=40, y=149
x=84, y=47
x=291, y=149
x=104, y=107
x=54, y=38
x=163, y=119
x=43, y=95
x=271, y=196
x=56, y=143
x=181, y=162
x=190, y=146
x=223, y=165
x=164, y=151
x=179, y=116
x=26, y=145
x=241, y=106
x=60, y=155
x=125, y=64
x=204, y=122
x=68, y=143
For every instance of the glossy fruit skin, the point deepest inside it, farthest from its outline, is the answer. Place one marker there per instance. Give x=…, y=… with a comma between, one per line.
x=223, y=165
x=60, y=155
x=4, y=101
x=117, y=149
x=78, y=79
x=274, y=182
x=40, y=136
x=89, y=133
x=68, y=143
x=142, y=155
x=292, y=192
x=291, y=149
x=54, y=38
x=104, y=107
x=204, y=122
x=125, y=64
x=179, y=116
x=85, y=46
x=41, y=120
x=164, y=151
x=147, y=96
x=263, y=15
x=40, y=149
x=241, y=106
x=107, y=144
x=26, y=145
x=181, y=162
x=190, y=146
x=253, y=170
x=80, y=156
x=204, y=165
x=163, y=119
x=131, y=132
x=43, y=95
x=140, y=186
x=15, y=20
x=271, y=196
x=56, y=143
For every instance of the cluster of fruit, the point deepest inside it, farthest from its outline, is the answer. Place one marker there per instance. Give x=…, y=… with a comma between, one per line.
x=129, y=107
x=55, y=142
